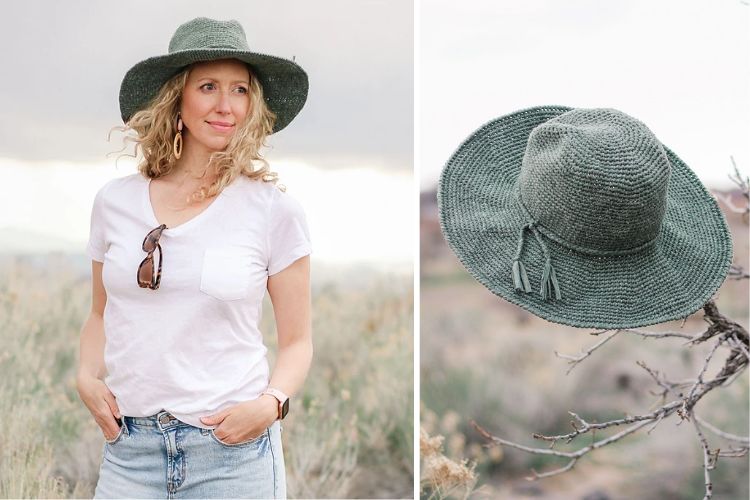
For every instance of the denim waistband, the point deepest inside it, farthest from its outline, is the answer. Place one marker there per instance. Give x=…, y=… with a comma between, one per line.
x=161, y=420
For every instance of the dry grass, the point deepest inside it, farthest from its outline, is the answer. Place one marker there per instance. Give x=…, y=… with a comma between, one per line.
x=441, y=476
x=351, y=425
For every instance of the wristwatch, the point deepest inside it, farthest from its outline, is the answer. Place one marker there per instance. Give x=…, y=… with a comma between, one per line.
x=283, y=400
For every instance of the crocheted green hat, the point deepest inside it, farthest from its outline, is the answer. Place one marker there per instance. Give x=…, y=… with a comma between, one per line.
x=202, y=39
x=582, y=217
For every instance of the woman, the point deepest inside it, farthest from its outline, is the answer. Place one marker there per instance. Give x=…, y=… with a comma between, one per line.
x=181, y=388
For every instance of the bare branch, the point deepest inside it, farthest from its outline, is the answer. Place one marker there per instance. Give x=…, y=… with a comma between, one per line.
x=737, y=272
x=574, y=360
x=554, y=472
x=658, y=420
x=725, y=435
x=658, y=335
x=736, y=343
x=708, y=462
x=686, y=411
x=720, y=330
x=720, y=324
x=668, y=386
x=574, y=455
x=744, y=186
x=733, y=452
x=727, y=200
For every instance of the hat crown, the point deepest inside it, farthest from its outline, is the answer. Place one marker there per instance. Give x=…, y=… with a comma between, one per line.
x=205, y=33
x=595, y=180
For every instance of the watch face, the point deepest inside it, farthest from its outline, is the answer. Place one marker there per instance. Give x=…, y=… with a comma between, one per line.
x=285, y=408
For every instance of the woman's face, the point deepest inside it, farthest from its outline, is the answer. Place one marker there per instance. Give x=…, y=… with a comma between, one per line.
x=215, y=101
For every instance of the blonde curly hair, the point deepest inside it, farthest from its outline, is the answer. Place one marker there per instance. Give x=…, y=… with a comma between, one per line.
x=155, y=127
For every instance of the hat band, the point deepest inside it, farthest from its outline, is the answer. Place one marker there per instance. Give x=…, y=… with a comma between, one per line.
x=209, y=47
x=550, y=286
x=578, y=248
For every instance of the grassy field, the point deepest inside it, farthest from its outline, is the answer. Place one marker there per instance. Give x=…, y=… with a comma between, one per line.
x=351, y=431
x=485, y=359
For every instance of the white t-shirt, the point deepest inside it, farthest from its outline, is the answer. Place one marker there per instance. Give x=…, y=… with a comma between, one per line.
x=192, y=347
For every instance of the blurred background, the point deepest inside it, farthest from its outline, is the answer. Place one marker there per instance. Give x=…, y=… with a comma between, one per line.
x=349, y=150
x=681, y=68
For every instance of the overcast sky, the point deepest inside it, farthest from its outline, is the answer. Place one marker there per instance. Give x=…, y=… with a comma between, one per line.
x=680, y=66
x=63, y=62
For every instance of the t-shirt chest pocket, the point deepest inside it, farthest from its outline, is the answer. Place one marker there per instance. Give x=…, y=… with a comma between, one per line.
x=226, y=272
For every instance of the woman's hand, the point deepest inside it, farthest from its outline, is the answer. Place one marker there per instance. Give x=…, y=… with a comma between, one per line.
x=244, y=421
x=101, y=403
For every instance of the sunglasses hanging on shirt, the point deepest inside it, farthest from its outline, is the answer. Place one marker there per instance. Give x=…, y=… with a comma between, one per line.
x=147, y=276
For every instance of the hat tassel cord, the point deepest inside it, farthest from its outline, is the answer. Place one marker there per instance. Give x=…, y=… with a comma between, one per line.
x=520, y=278
x=550, y=286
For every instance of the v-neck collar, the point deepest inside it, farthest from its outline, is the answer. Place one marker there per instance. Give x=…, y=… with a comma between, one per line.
x=181, y=228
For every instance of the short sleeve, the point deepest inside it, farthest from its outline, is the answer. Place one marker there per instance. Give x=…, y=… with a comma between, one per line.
x=288, y=234
x=97, y=244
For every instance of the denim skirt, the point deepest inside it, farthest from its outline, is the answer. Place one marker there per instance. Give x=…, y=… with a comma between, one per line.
x=162, y=457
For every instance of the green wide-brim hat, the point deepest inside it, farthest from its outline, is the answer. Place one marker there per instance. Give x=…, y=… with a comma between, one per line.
x=202, y=39
x=582, y=217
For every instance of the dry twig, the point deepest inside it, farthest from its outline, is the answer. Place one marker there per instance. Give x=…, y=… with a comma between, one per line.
x=743, y=183
x=574, y=360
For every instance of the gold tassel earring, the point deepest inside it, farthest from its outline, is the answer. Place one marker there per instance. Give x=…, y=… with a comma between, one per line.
x=177, y=144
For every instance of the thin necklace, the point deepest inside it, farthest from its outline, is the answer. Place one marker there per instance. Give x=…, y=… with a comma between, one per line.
x=186, y=204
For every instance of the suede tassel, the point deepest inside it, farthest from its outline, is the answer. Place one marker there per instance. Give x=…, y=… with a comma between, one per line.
x=550, y=286
x=520, y=279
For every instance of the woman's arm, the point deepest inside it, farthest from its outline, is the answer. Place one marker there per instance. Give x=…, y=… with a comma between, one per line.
x=91, y=363
x=91, y=369
x=290, y=294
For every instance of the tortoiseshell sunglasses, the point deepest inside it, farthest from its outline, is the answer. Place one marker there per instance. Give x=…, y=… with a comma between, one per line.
x=146, y=276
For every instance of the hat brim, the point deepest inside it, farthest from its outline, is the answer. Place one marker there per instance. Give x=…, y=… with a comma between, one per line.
x=481, y=219
x=284, y=83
